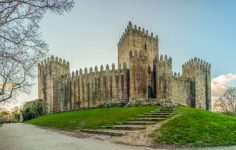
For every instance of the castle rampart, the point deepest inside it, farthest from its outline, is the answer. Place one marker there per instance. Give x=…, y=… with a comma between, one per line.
x=89, y=88
x=141, y=75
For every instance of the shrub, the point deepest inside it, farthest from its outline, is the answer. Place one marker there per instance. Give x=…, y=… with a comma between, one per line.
x=36, y=110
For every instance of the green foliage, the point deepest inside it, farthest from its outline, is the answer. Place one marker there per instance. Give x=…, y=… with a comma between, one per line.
x=16, y=116
x=194, y=127
x=92, y=118
x=36, y=110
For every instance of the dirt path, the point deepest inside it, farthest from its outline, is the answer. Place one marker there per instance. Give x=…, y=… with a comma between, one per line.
x=28, y=137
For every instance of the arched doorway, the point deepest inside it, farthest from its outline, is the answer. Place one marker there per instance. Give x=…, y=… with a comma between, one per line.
x=150, y=92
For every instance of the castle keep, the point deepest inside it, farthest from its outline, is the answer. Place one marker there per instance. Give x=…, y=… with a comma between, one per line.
x=142, y=75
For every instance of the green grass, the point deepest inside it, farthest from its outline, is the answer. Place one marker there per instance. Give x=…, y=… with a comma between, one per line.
x=92, y=118
x=194, y=127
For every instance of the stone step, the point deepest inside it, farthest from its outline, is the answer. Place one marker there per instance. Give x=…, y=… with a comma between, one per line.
x=166, y=111
x=160, y=113
x=154, y=116
x=154, y=111
x=124, y=127
x=105, y=132
x=147, y=119
x=163, y=111
x=140, y=122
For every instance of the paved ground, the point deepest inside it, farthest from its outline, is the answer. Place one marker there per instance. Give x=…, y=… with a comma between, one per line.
x=28, y=137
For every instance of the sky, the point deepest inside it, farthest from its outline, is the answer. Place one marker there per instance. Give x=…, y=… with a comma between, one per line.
x=88, y=35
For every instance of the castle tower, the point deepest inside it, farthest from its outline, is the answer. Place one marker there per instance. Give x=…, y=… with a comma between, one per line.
x=163, y=73
x=135, y=39
x=49, y=71
x=138, y=75
x=199, y=72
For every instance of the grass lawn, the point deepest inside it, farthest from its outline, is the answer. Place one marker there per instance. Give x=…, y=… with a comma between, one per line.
x=194, y=127
x=92, y=118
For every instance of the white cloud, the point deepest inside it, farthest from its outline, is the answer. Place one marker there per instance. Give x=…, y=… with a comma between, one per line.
x=219, y=84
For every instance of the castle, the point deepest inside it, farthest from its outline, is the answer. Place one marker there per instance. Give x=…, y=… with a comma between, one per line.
x=142, y=75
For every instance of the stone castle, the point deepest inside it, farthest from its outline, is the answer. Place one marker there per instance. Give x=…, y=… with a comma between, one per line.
x=142, y=75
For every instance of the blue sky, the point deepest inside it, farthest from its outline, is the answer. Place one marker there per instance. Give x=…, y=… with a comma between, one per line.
x=89, y=34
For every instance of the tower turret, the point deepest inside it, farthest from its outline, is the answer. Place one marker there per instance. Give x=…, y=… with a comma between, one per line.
x=135, y=39
x=138, y=74
x=163, y=73
x=199, y=72
x=49, y=71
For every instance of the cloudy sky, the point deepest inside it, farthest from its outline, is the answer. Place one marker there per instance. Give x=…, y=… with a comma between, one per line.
x=89, y=34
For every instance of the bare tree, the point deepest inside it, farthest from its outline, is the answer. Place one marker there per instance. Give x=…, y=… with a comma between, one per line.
x=230, y=97
x=227, y=102
x=221, y=105
x=21, y=46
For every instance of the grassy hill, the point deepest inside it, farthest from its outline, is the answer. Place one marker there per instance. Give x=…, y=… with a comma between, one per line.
x=194, y=127
x=92, y=118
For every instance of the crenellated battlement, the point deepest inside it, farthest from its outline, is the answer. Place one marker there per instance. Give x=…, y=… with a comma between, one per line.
x=164, y=59
x=138, y=30
x=164, y=65
x=197, y=63
x=108, y=70
x=52, y=59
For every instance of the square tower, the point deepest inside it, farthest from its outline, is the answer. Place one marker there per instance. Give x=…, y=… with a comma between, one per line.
x=49, y=71
x=135, y=39
x=199, y=72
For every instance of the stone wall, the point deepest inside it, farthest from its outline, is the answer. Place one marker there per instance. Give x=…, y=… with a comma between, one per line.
x=135, y=39
x=48, y=71
x=163, y=72
x=141, y=76
x=191, y=89
x=198, y=71
x=180, y=90
x=93, y=88
x=138, y=71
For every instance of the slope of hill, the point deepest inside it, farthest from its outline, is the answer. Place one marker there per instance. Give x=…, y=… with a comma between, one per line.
x=92, y=118
x=194, y=127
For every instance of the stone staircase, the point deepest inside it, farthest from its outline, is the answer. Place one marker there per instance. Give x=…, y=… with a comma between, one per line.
x=138, y=123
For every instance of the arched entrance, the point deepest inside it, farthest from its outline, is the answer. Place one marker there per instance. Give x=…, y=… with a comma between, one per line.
x=150, y=92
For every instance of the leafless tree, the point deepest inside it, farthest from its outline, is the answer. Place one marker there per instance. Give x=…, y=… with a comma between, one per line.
x=230, y=97
x=227, y=102
x=221, y=105
x=21, y=46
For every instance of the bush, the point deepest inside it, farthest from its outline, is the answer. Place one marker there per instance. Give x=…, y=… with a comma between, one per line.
x=1, y=121
x=34, y=111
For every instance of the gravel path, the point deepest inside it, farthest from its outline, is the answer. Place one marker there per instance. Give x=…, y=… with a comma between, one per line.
x=21, y=136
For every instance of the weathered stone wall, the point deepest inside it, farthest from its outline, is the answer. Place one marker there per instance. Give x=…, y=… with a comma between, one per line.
x=93, y=88
x=191, y=89
x=48, y=71
x=180, y=90
x=141, y=76
x=198, y=71
x=138, y=71
x=135, y=39
x=163, y=73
